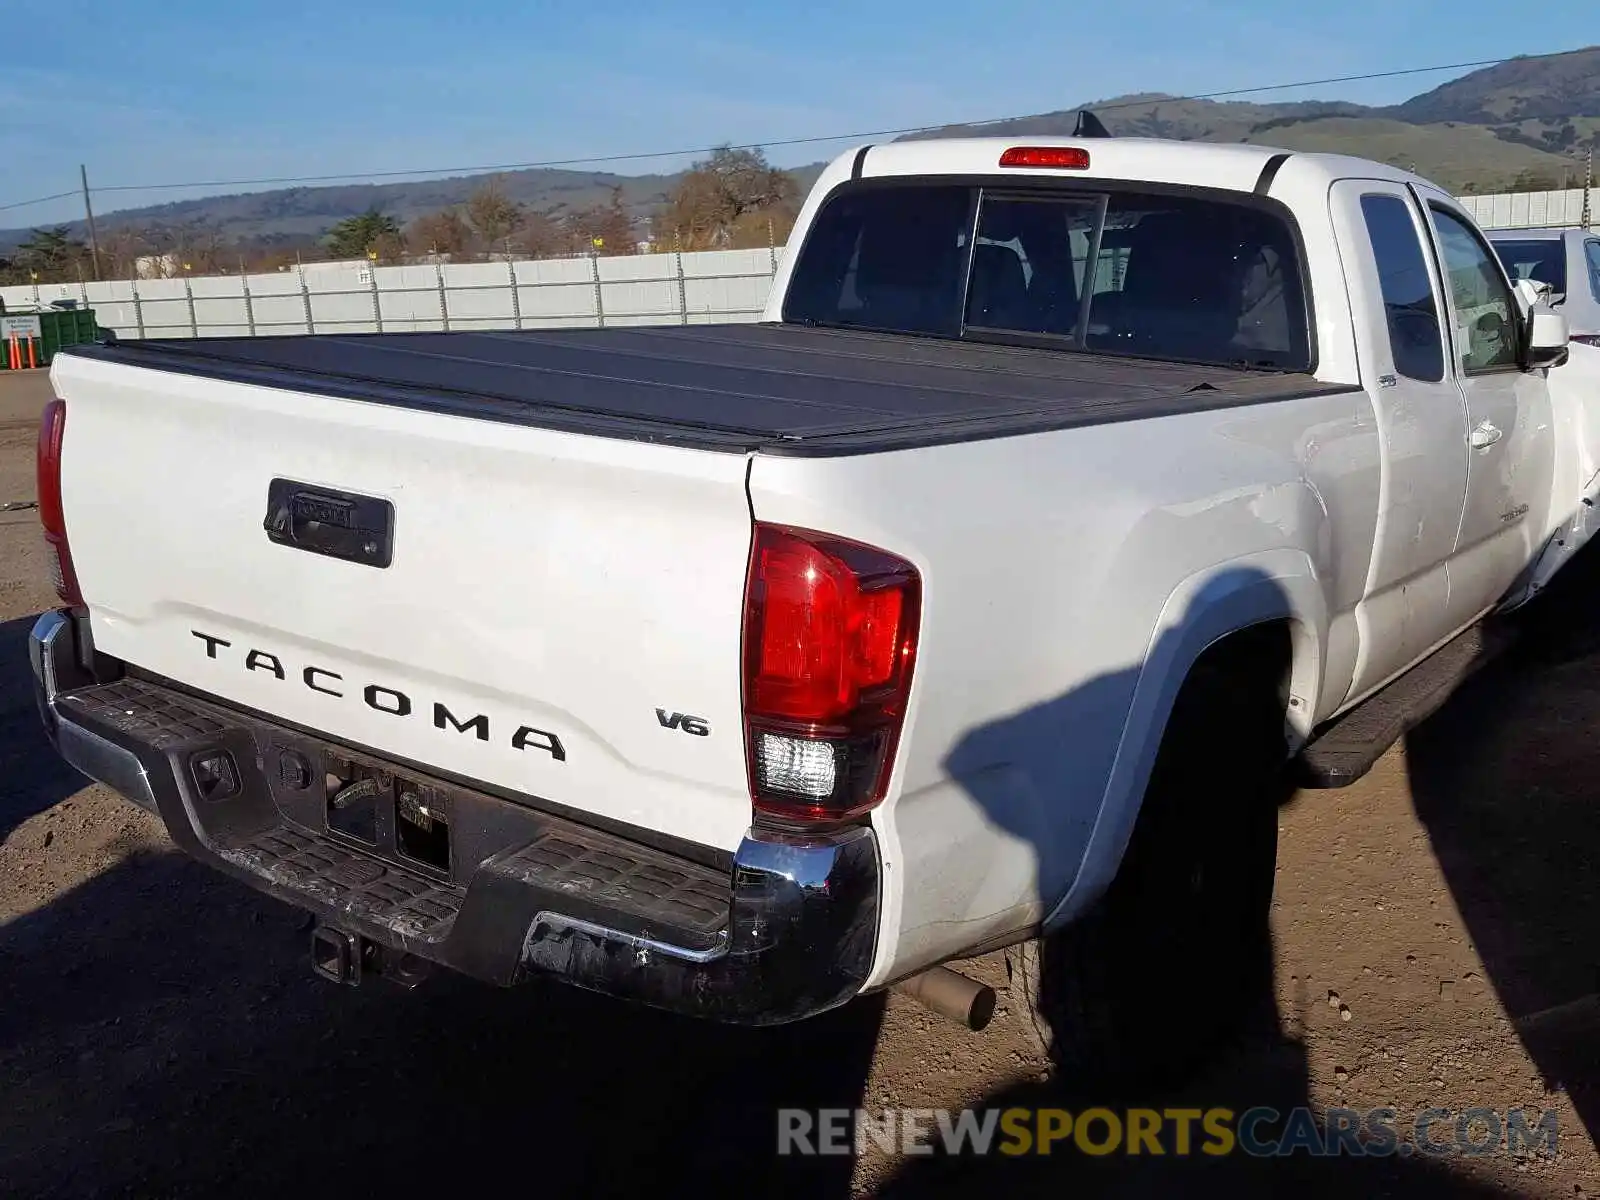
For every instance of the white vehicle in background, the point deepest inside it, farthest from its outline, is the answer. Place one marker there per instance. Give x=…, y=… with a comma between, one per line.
x=1567, y=261
x=977, y=598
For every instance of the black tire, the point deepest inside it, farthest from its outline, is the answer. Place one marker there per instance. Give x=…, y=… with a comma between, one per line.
x=1177, y=954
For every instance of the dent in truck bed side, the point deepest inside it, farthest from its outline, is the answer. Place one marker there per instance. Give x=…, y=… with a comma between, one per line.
x=776, y=389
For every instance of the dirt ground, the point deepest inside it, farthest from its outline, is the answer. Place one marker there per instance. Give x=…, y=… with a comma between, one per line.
x=161, y=1035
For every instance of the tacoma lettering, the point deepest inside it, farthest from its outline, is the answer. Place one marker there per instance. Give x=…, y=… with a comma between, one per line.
x=442, y=717
x=388, y=700
x=310, y=676
x=381, y=698
x=259, y=660
x=539, y=739
x=211, y=642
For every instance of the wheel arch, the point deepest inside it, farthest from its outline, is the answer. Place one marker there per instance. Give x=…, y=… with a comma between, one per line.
x=1264, y=615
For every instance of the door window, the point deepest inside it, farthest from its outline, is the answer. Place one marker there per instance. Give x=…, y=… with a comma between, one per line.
x=1591, y=251
x=1484, y=309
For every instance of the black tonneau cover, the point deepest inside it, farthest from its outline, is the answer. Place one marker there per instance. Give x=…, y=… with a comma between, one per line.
x=780, y=389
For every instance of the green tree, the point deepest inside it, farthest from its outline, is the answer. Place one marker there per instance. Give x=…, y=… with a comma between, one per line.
x=374, y=232
x=51, y=254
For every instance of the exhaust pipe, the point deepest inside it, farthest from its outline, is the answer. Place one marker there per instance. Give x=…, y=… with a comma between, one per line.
x=965, y=1001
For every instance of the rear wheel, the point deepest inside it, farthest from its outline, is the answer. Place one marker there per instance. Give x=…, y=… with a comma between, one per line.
x=1178, y=952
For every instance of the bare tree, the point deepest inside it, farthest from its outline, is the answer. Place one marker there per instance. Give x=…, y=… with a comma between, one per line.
x=283, y=254
x=121, y=248
x=605, y=228
x=444, y=232
x=761, y=227
x=494, y=214
x=727, y=200
x=543, y=237
x=196, y=247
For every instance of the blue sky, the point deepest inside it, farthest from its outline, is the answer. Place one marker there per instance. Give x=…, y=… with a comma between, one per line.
x=147, y=92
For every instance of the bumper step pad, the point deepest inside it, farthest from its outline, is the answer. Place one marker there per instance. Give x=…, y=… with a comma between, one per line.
x=648, y=885
x=356, y=885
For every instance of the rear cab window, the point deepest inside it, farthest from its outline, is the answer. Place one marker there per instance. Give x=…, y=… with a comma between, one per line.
x=1100, y=269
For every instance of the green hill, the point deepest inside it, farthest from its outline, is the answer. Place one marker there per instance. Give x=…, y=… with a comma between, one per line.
x=1462, y=158
x=1522, y=123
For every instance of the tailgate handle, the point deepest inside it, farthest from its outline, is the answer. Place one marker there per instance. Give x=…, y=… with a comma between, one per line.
x=319, y=520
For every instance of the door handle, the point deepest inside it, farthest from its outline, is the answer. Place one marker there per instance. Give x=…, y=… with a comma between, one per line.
x=345, y=525
x=1485, y=435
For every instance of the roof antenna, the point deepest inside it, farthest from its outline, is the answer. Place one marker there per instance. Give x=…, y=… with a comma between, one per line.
x=1089, y=126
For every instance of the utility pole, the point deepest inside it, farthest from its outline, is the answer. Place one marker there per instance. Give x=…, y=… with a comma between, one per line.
x=88, y=211
x=1588, y=188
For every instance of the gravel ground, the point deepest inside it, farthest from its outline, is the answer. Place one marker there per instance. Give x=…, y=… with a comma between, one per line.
x=160, y=1034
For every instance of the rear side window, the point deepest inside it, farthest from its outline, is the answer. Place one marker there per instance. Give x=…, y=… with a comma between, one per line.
x=1591, y=251
x=1415, y=341
x=886, y=258
x=1543, y=260
x=1111, y=271
x=1198, y=280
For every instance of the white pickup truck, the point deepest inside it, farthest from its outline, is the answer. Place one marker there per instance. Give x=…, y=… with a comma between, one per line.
x=976, y=598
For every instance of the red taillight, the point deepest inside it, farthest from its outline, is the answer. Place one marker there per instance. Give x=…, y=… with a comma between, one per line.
x=52, y=429
x=830, y=637
x=1071, y=158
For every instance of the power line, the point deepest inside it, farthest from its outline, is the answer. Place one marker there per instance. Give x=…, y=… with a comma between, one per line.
x=803, y=141
x=593, y=160
x=40, y=200
x=800, y=141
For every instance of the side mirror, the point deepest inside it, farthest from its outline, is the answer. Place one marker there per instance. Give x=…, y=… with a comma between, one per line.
x=1547, y=338
x=1530, y=292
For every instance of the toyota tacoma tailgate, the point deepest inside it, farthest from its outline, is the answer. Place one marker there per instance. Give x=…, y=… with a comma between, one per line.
x=549, y=613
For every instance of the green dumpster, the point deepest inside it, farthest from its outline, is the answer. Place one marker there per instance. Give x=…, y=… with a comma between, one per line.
x=43, y=331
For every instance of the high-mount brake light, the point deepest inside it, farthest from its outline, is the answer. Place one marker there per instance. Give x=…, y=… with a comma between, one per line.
x=52, y=430
x=830, y=638
x=1071, y=158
